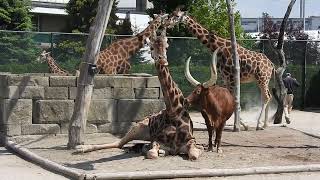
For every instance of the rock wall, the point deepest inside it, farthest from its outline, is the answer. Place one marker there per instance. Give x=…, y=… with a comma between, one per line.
x=43, y=103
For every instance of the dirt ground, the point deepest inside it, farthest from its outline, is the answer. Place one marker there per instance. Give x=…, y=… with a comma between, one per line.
x=273, y=146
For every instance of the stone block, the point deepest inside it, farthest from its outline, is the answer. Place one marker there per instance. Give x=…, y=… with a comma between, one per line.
x=139, y=82
x=53, y=111
x=102, y=111
x=90, y=128
x=103, y=81
x=20, y=80
x=123, y=93
x=10, y=129
x=105, y=128
x=136, y=109
x=10, y=92
x=123, y=82
x=63, y=81
x=31, y=92
x=101, y=93
x=16, y=111
x=153, y=82
x=146, y=93
x=34, y=129
x=56, y=92
x=120, y=127
x=3, y=80
x=34, y=74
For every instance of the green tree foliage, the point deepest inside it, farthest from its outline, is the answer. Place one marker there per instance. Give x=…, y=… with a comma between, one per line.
x=83, y=12
x=125, y=27
x=212, y=14
x=18, y=48
x=14, y=15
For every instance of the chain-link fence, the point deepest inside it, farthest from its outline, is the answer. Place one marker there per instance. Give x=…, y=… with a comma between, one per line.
x=19, y=52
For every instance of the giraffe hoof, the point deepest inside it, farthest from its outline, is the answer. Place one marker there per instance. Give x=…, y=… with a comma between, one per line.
x=259, y=128
x=219, y=151
x=80, y=149
x=152, y=154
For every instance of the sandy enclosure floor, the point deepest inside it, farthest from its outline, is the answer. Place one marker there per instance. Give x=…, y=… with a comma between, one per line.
x=273, y=146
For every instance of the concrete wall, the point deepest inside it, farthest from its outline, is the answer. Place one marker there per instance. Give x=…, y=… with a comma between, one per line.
x=43, y=103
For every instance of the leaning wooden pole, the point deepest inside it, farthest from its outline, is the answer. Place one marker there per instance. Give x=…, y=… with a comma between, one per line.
x=282, y=66
x=85, y=83
x=235, y=56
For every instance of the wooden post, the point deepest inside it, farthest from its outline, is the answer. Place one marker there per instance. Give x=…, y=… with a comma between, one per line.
x=283, y=65
x=85, y=83
x=235, y=56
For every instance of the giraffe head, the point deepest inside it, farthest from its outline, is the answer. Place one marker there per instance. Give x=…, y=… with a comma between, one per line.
x=158, y=45
x=201, y=87
x=43, y=56
x=178, y=16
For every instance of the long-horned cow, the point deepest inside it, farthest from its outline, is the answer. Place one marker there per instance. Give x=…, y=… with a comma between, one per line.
x=215, y=103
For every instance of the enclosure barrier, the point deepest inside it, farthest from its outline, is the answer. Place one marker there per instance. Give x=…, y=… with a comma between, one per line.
x=82, y=175
x=33, y=104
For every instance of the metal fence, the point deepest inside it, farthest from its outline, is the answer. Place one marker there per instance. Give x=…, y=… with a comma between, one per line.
x=19, y=51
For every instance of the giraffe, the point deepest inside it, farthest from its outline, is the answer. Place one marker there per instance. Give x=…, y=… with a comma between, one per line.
x=171, y=129
x=254, y=66
x=53, y=66
x=115, y=58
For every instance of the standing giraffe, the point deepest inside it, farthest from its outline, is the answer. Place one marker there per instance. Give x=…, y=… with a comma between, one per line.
x=53, y=66
x=115, y=58
x=253, y=65
x=171, y=128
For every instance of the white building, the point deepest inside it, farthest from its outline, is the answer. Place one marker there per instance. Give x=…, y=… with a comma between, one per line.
x=50, y=15
x=256, y=24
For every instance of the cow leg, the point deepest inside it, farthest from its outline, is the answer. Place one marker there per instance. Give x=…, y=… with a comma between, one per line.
x=139, y=131
x=218, y=137
x=210, y=130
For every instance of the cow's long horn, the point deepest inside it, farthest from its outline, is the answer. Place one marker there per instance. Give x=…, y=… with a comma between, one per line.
x=213, y=69
x=188, y=75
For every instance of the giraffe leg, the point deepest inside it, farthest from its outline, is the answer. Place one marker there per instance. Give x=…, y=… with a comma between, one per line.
x=139, y=131
x=265, y=96
x=192, y=149
x=153, y=153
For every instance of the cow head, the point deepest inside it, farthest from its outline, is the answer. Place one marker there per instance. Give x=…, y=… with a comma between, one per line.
x=201, y=88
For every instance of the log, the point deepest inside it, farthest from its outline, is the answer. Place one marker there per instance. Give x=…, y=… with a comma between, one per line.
x=45, y=163
x=85, y=84
x=203, y=172
x=235, y=56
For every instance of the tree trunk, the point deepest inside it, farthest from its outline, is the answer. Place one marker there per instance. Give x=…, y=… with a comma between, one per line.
x=85, y=84
x=283, y=64
x=236, y=66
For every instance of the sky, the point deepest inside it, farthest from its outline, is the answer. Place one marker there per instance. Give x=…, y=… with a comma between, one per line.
x=276, y=8
x=247, y=8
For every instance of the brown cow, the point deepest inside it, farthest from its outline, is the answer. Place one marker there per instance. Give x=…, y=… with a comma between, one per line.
x=216, y=103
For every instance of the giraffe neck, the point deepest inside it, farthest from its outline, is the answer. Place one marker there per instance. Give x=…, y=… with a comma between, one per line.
x=53, y=66
x=153, y=26
x=173, y=96
x=209, y=39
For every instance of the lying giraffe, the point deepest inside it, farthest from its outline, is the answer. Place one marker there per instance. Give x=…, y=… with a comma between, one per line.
x=171, y=128
x=254, y=66
x=53, y=66
x=115, y=58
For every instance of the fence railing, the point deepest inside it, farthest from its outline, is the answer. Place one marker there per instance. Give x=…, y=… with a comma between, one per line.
x=19, y=52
